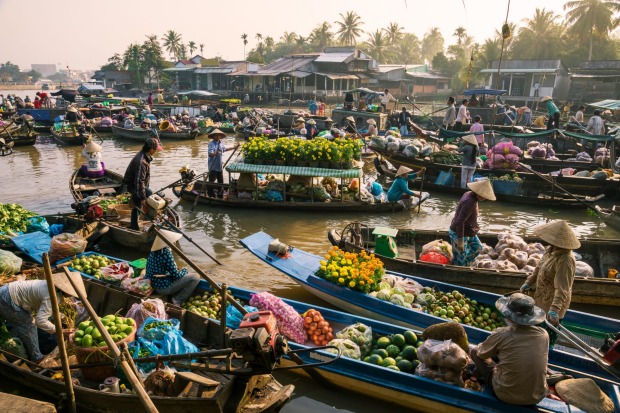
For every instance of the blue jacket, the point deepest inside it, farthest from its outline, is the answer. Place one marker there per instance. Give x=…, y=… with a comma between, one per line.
x=400, y=188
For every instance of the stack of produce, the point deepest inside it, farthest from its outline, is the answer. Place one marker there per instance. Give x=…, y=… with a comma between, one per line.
x=442, y=361
x=512, y=253
x=504, y=155
x=446, y=157
x=541, y=150
x=395, y=295
x=290, y=323
x=602, y=156
x=114, y=273
x=91, y=264
x=10, y=344
x=396, y=352
x=13, y=220
x=87, y=334
x=207, y=305
x=361, y=272
x=10, y=264
x=318, y=329
x=438, y=251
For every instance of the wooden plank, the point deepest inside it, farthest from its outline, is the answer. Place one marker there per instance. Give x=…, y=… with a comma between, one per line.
x=197, y=378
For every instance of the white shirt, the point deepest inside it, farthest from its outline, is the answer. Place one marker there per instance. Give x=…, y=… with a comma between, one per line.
x=372, y=130
x=579, y=116
x=247, y=122
x=462, y=115
x=386, y=98
x=596, y=126
x=34, y=297
x=93, y=160
x=129, y=124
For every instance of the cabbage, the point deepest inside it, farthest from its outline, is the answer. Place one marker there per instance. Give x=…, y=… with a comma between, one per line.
x=425, y=299
x=398, y=290
x=385, y=285
x=373, y=294
x=384, y=295
x=360, y=334
x=408, y=298
x=398, y=300
x=347, y=347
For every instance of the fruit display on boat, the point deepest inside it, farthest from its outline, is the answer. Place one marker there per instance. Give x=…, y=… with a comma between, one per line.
x=396, y=352
x=318, y=329
x=206, y=305
x=88, y=335
x=91, y=264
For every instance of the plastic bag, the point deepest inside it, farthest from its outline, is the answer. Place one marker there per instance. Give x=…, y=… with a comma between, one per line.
x=153, y=307
x=347, y=347
x=155, y=328
x=442, y=247
x=116, y=273
x=360, y=334
x=447, y=354
x=234, y=316
x=433, y=256
x=66, y=245
x=37, y=223
x=583, y=269
x=9, y=263
x=138, y=285
x=411, y=151
x=274, y=196
x=290, y=323
x=440, y=374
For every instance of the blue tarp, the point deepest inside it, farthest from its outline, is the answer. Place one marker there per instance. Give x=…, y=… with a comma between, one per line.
x=33, y=244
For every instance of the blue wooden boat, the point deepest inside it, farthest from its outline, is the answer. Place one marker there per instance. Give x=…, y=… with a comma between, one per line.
x=404, y=389
x=301, y=267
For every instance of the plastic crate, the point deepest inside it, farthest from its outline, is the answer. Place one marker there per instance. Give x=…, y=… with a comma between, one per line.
x=86, y=254
x=445, y=178
x=506, y=187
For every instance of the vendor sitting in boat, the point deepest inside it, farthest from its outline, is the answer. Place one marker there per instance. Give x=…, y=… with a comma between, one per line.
x=129, y=122
x=94, y=167
x=166, y=278
x=399, y=191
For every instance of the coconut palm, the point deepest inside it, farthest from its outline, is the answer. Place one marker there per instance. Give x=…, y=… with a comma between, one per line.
x=377, y=46
x=540, y=38
x=321, y=36
x=350, y=28
x=394, y=32
x=172, y=43
x=589, y=18
x=300, y=44
x=432, y=43
x=202, y=46
x=259, y=37
x=406, y=50
x=191, y=46
x=460, y=34
x=288, y=39
x=244, y=37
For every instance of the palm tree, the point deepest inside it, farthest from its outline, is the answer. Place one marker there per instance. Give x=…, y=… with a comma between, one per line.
x=259, y=37
x=288, y=38
x=350, y=28
x=407, y=50
x=191, y=46
x=460, y=34
x=394, y=32
x=202, y=46
x=590, y=17
x=244, y=37
x=432, y=43
x=321, y=36
x=300, y=44
x=540, y=38
x=377, y=46
x=172, y=43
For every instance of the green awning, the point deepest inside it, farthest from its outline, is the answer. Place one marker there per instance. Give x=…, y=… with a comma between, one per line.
x=239, y=167
x=611, y=104
x=592, y=138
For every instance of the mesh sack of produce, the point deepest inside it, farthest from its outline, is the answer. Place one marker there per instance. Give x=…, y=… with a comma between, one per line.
x=602, y=151
x=152, y=307
x=515, y=150
x=440, y=374
x=378, y=142
x=393, y=146
x=443, y=353
x=138, y=285
x=274, y=196
x=403, y=144
x=347, y=348
x=440, y=246
x=360, y=334
x=600, y=175
x=9, y=263
x=502, y=147
x=538, y=152
x=290, y=323
x=426, y=151
x=116, y=273
x=583, y=269
x=66, y=245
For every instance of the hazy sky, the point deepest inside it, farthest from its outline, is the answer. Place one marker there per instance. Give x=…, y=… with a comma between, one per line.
x=84, y=34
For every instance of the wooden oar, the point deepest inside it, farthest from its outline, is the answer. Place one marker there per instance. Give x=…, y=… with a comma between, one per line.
x=64, y=359
x=552, y=182
x=187, y=237
x=147, y=403
x=421, y=188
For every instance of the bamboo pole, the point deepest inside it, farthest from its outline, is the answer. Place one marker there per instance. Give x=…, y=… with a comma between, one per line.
x=135, y=382
x=64, y=359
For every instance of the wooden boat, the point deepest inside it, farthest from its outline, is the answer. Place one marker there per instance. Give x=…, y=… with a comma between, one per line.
x=528, y=193
x=196, y=192
x=401, y=388
x=259, y=393
x=301, y=267
x=611, y=216
x=140, y=135
x=69, y=137
x=110, y=185
x=599, y=253
x=575, y=184
x=287, y=120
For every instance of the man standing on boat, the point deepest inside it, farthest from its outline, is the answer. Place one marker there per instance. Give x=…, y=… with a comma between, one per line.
x=553, y=112
x=450, y=117
x=522, y=348
x=137, y=177
x=404, y=118
x=464, y=227
x=462, y=117
x=386, y=99
x=215, y=150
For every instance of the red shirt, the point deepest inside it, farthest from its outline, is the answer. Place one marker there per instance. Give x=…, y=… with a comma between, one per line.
x=37, y=103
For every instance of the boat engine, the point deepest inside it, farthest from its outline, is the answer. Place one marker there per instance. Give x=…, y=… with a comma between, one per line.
x=156, y=205
x=82, y=207
x=187, y=174
x=258, y=341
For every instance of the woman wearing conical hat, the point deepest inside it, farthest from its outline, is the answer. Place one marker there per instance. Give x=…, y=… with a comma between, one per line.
x=553, y=277
x=464, y=227
x=399, y=191
x=470, y=152
x=94, y=168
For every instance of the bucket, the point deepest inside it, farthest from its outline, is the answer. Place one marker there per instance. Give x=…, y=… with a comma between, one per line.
x=165, y=125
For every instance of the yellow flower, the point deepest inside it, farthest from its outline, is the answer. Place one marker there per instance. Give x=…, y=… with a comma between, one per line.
x=341, y=280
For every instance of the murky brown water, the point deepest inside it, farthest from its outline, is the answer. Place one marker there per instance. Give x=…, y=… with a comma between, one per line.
x=38, y=178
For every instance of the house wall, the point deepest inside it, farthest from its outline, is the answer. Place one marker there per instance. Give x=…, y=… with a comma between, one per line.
x=593, y=89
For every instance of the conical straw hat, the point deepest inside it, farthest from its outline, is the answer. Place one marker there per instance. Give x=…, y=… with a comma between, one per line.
x=470, y=139
x=584, y=394
x=170, y=236
x=92, y=147
x=483, y=188
x=403, y=170
x=62, y=283
x=558, y=234
x=546, y=98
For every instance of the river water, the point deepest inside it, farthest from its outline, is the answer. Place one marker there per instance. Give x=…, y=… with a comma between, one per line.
x=37, y=177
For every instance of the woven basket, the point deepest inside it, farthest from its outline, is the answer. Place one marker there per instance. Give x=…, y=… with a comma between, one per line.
x=122, y=210
x=86, y=355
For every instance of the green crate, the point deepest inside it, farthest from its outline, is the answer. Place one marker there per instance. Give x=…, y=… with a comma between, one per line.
x=138, y=265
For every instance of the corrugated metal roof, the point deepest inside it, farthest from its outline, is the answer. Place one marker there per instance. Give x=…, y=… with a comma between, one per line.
x=574, y=75
x=520, y=70
x=425, y=75
x=335, y=76
x=339, y=57
x=607, y=104
x=299, y=73
x=179, y=69
x=389, y=68
x=205, y=70
x=284, y=65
